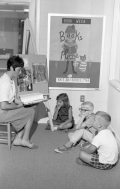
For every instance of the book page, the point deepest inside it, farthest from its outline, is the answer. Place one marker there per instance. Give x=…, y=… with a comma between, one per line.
x=31, y=98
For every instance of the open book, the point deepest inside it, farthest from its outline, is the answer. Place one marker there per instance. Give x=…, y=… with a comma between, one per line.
x=32, y=98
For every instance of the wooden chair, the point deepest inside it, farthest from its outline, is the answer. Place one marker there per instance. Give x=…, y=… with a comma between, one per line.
x=7, y=136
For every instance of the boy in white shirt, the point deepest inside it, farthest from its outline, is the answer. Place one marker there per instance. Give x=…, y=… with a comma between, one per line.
x=104, y=144
x=83, y=130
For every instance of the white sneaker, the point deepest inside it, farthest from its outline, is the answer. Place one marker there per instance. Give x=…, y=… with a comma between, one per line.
x=55, y=128
x=58, y=151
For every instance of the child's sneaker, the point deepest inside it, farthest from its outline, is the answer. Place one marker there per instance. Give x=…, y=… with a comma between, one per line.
x=63, y=149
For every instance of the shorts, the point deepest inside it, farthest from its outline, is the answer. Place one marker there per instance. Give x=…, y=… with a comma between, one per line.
x=96, y=164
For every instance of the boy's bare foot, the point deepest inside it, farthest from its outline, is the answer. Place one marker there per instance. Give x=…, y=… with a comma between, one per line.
x=80, y=162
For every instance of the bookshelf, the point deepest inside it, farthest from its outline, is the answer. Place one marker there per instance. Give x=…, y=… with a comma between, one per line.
x=3, y=65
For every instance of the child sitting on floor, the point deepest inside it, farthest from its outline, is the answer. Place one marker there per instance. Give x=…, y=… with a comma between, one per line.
x=104, y=143
x=84, y=128
x=63, y=117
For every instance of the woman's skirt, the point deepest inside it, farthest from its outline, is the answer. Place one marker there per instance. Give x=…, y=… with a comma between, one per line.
x=18, y=117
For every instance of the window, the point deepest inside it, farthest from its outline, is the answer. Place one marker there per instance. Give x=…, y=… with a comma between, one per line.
x=114, y=78
x=11, y=25
x=11, y=30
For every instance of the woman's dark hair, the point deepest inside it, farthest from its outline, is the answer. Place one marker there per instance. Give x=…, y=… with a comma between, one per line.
x=64, y=97
x=15, y=61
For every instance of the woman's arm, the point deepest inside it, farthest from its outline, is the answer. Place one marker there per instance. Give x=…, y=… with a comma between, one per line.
x=10, y=106
x=7, y=102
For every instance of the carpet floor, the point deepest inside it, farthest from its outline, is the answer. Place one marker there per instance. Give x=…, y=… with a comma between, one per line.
x=42, y=168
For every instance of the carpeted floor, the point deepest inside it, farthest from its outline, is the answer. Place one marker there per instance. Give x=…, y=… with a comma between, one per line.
x=42, y=168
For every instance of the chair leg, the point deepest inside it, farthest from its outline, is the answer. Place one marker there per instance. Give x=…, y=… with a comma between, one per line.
x=9, y=135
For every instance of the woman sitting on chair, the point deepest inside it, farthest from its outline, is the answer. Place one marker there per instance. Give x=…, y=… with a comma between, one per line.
x=11, y=107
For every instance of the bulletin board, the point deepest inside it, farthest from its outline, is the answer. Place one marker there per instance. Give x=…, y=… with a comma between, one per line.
x=34, y=75
x=75, y=49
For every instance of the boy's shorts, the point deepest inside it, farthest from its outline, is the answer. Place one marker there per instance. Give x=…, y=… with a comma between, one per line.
x=96, y=164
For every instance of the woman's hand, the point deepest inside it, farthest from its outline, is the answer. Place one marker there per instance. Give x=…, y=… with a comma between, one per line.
x=18, y=101
x=10, y=106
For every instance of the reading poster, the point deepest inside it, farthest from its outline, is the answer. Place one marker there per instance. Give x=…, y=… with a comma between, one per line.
x=39, y=72
x=75, y=49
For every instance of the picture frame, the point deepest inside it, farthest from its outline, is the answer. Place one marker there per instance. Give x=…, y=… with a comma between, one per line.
x=75, y=51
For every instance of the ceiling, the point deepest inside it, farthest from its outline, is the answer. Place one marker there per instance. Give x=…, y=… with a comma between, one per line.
x=18, y=7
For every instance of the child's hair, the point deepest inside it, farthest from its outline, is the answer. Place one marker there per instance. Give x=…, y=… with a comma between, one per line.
x=105, y=116
x=64, y=97
x=90, y=104
x=15, y=61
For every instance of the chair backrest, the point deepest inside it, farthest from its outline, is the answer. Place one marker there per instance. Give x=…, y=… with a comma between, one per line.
x=8, y=135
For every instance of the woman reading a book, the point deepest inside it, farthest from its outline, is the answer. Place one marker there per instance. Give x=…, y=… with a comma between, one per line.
x=11, y=107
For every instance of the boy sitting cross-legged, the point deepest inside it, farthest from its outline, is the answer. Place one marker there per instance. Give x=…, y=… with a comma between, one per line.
x=84, y=128
x=102, y=153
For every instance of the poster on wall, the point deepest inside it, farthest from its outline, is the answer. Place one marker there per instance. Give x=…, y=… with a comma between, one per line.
x=75, y=48
x=39, y=72
x=33, y=77
x=25, y=80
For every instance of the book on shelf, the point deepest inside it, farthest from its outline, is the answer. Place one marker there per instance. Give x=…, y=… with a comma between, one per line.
x=32, y=98
x=4, y=56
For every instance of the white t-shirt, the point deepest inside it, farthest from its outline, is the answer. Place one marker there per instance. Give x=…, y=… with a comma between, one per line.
x=7, y=89
x=107, y=147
